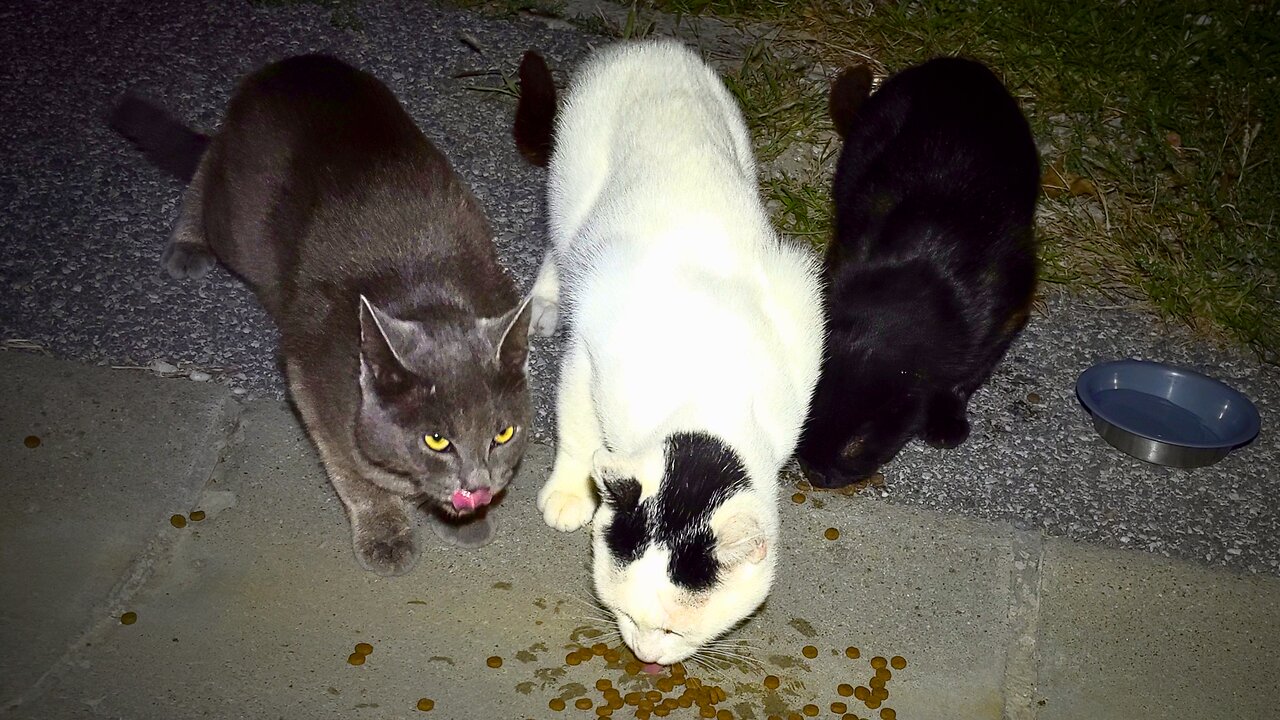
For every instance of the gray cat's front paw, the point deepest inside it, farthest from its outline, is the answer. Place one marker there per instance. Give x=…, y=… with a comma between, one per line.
x=544, y=316
x=385, y=542
x=469, y=533
x=184, y=260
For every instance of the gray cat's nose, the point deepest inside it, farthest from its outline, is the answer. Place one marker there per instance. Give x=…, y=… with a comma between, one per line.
x=476, y=479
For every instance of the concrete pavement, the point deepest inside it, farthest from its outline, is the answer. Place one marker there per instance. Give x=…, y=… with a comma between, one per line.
x=253, y=611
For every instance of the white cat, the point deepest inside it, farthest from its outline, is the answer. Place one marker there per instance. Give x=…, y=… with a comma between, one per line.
x=694, y=342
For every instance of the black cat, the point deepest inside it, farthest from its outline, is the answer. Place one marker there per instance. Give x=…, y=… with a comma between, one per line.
x=932, y=269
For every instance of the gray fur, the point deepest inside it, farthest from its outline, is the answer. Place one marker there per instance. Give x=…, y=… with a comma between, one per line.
x=376, y=263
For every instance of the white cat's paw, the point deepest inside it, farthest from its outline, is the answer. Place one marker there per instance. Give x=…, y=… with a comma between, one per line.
x=545, y=315
x=566, y=510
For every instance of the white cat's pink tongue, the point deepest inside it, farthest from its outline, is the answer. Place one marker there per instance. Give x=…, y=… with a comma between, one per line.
x=471, y=499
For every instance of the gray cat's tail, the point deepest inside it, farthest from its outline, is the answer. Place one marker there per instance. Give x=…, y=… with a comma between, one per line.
x=536, y=112
x=165, y=141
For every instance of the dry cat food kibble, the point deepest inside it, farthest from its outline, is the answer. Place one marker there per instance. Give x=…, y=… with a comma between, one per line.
x=355, y=658
x=862, y=693
x=839, y=708
x=129, y=618
x=831, y=534
x=556, y=704
x=426, y=704
x=811, y=710
x=31, y=441
x=494, y=661
x=878, y=662
x=772, y=682
x=582, y=703
x=809, y=651
x=364, y=648
x=888, y=714
x=897, y=662
x=178, y=521
x=845, y=689
x=197, y=515
x=852, y=653
x=797, y=498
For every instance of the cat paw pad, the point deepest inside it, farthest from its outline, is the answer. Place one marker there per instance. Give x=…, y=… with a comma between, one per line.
x=564, y=510
x=386, y=547
x=186, y=260
x=544, y=317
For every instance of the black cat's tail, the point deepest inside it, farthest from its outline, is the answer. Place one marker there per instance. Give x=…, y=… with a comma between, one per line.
x=536, y=112
x=851, y=88
x=165, y=141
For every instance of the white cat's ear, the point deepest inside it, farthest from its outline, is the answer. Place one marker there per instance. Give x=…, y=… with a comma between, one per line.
x=384, y=342
x=509, y=335
x=644, y=467
x=740, y=536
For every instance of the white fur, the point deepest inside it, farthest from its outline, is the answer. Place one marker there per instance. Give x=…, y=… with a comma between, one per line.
x=686, y=312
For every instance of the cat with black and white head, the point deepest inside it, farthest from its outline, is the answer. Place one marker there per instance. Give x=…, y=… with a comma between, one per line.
x=693, y=343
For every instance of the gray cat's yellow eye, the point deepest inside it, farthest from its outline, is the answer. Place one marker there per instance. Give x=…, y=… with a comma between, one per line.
x=503, y=437
x=435, y=442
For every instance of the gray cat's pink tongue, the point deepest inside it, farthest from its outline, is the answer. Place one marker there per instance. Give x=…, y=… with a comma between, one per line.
x=470, y=500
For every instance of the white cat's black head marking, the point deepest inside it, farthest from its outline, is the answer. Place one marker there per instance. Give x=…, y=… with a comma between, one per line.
x=701, y=472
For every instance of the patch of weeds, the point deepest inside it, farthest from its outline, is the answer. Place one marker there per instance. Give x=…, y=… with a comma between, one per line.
x=634, y=26
x=1167, y=109
x=782, y=105
x=507, y=85
x=800, y=209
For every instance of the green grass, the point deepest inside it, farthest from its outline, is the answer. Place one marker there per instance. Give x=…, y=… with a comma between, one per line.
x=1167, y=109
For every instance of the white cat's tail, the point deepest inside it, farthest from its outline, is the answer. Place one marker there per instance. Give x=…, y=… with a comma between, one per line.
x=536, y=111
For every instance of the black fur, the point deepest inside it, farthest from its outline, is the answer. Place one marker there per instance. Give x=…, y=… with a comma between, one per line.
x=701, y=473
x=535, y=113
x=172, y=146
x=628, y=534
x=932, y=269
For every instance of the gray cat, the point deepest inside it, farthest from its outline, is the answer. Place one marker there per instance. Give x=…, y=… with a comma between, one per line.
x=403, y=340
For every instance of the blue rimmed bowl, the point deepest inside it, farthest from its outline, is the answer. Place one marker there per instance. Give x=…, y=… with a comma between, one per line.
x=1166, y=415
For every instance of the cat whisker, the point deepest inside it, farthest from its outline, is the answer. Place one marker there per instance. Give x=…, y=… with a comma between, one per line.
x=740, y=661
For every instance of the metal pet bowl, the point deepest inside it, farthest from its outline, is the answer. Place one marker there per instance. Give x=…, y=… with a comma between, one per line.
x=1164, y=414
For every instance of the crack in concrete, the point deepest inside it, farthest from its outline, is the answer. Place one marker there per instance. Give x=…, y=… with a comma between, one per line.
x=223, y=432
x=1022, y=659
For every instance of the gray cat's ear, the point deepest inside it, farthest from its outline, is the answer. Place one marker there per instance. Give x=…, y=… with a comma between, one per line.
x=509, y=335
x=645, y=467
x=384, y=342
x=740, y=534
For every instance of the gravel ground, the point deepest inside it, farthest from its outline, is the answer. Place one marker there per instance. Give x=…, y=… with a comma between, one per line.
x=85, y=219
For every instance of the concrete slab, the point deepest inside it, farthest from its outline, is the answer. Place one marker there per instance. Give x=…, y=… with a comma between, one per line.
x=115, y=454
x=1127, y=635
x=261, y=603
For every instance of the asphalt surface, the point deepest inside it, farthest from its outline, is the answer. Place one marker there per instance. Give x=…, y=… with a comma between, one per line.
x=84, y=221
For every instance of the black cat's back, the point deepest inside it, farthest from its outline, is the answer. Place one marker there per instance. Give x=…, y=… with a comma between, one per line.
x=932, y=267
x=945, y=133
